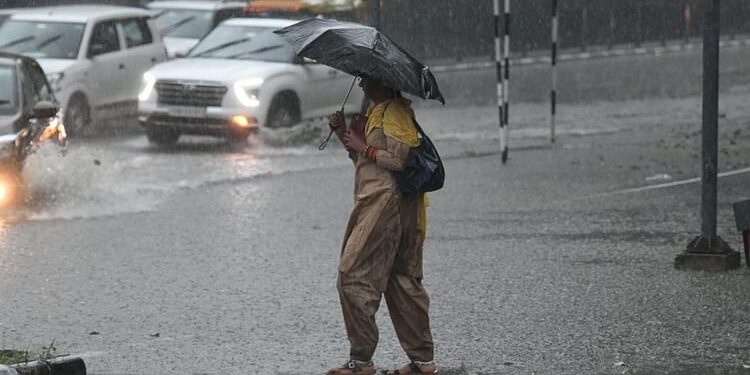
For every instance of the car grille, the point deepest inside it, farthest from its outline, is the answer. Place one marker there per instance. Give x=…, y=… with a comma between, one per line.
x=191, y=94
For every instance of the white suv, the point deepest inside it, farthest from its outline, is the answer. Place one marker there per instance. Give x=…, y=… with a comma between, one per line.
x=239, y=77
x=184, y=23
x=94, y=56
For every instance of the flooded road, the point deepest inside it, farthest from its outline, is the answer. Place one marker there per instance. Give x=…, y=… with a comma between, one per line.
x=111, y=174
x=213, y=258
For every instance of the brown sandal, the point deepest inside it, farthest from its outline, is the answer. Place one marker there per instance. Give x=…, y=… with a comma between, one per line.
x=414, y=368
x=354, y=368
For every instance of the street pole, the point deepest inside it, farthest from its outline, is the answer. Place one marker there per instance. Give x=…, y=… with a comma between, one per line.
x=553, y=91
x=688, y=17
x=374, y=13
x=502, y=66
x=710, y=119
x=506, y=78
x=709, y=251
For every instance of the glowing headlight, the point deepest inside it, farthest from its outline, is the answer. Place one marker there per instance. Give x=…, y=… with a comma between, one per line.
x=8, y=189
x=247, y=91
x=147, y=86
x=54, y=81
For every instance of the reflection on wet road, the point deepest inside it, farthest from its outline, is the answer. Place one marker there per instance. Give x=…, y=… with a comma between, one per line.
x=124, y=175
x=112, y=175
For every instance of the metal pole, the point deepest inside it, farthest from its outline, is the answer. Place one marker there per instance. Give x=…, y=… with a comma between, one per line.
x=663, y=27
x=374, y=13
x=734, y=14
x=584, y=26
x=688, y=17
x=506, y=79
x=553, y=59
x=639, y=17
x=711, y=31
x=708, y=251
x=611, y=27
x=499, y=73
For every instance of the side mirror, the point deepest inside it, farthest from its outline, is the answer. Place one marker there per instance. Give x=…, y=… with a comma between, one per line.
x=45, y=109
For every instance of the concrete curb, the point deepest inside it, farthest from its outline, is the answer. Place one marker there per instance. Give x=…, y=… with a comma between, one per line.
x=66, y=365
x=640, y=51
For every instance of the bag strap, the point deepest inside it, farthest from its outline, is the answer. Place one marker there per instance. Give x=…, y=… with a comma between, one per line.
x=419, y=128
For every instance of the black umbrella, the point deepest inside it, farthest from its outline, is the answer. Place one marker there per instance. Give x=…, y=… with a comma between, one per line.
x=361, y=51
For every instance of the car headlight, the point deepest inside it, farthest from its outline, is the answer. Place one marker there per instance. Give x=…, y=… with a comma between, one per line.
x=247, y=91
x=147, y=86
x=54, y=81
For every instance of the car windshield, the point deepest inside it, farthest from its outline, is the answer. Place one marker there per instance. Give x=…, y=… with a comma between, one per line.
x=244, y=42
x=8, y=91
x=185, y=23
x=41, y=39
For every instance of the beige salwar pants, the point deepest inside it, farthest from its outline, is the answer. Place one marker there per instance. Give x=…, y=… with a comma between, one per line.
x=388, y=263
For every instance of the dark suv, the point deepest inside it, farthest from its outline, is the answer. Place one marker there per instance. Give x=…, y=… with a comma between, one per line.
x=27, y=105
x=23, y=86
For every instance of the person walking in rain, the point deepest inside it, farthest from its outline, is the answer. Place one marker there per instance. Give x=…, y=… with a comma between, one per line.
x=382, y=250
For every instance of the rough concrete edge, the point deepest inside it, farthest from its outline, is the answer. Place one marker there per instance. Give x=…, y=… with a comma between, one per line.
x=636, y=51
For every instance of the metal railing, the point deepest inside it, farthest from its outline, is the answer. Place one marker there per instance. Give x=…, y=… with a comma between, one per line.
x=461, y=29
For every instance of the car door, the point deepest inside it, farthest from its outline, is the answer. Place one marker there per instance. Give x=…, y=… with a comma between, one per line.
x=106, y=75
x=141, y=53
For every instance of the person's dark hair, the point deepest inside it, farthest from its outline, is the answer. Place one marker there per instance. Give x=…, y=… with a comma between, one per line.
x=389, y=92
x=392, y=93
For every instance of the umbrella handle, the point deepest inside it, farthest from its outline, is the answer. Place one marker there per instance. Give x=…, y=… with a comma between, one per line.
x=324, y=141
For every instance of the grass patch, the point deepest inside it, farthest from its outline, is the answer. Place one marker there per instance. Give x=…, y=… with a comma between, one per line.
x=10, y=357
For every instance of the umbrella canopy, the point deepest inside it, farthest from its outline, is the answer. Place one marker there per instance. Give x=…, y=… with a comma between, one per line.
x=361, y=51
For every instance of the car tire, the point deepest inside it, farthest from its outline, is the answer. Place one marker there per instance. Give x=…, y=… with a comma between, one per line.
x=162, y=136
x=284, y=111
x=77, y=115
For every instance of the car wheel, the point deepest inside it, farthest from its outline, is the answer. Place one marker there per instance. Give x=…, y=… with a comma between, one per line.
x=77, y=115
x=162, y=136
x=284, y=112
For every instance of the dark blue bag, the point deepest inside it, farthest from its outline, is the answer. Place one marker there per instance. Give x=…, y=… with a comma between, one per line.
x=423, y=171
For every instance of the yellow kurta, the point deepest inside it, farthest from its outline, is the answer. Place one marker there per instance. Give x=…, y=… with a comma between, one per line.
x=382, y=250
x=390, y=129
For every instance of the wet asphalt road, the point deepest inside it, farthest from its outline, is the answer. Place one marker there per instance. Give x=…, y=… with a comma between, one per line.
x=208, y=258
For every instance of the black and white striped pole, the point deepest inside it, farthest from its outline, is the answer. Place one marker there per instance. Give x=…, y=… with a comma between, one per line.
x=502, y=61
x=553, y=91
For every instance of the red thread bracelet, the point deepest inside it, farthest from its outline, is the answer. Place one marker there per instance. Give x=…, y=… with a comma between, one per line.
x=371, y=153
